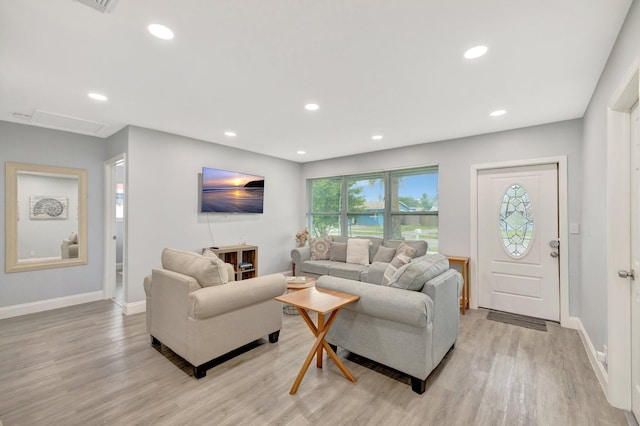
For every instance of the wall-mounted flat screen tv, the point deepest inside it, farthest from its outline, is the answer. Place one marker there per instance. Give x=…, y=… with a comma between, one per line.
x=231, y=192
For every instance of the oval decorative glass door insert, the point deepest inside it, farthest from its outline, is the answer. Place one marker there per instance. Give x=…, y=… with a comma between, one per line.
x=516, y=221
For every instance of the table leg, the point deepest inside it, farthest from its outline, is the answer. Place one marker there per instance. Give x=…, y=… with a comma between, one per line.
x=464, y=291
x=466, y=283
x=316, y=350
x=320, y=330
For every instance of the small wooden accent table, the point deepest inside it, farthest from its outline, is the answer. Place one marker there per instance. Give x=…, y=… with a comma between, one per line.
x=322, y=302
x=464, y=265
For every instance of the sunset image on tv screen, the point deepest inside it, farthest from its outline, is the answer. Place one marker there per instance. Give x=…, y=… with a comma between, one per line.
x=231, y=192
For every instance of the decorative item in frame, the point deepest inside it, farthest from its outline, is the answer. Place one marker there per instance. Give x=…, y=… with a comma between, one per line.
x=42, y=207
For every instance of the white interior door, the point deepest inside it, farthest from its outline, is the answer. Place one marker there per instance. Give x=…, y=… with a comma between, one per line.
x=518, y=267
x=635, y=262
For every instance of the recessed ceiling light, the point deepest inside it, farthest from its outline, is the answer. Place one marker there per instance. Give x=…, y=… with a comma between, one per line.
x=376, y=137
x=160, y=31
x=475, y=52
x=230, y=134
x=302, y=152
x=312, y=107
x=498, y=113
x=97, y=96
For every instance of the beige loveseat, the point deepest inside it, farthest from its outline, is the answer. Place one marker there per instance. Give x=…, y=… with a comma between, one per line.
x=380, y=251
x=191, y=311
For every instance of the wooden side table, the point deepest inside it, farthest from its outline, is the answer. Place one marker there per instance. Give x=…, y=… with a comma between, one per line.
x=322, y=302
x=464, y=266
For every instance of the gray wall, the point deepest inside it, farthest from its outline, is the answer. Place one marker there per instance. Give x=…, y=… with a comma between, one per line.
x=28, y=144
x=593, y=294
x=455, y=158
x=163, y=180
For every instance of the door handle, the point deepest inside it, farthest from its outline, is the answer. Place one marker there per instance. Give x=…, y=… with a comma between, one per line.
x=627, y=274
x=554, y=254
x=554, y=244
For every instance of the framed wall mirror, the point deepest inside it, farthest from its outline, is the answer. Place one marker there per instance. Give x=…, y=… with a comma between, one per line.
x=45, y=217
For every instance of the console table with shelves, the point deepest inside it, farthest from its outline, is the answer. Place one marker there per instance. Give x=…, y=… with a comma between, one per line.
x=463, y=262
x=244, y=259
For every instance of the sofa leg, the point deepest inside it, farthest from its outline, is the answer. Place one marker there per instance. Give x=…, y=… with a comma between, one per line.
x=273, y=337
x=199, y=372
x=154, y=341
x=333, y=347
x=418, y=386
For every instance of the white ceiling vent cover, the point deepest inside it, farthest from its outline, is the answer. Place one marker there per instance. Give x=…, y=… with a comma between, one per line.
x=65, y=122
x=100, y=5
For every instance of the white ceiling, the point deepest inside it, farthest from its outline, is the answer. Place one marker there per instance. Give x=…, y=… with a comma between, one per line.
x=374, y=66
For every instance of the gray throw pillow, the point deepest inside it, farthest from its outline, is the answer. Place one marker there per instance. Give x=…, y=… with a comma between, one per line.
x=338, y=252
x=413, y=275
x=320, y=248
x=384, y=254
x=398, y=262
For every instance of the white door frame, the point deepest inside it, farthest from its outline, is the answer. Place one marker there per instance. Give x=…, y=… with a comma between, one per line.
x=619, y=238
x=563, y=230
x=109, y=277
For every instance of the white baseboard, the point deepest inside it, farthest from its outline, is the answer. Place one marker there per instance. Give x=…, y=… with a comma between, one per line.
x=49, y=304
x=134, y=308
x=572, y=323
x=601, y=372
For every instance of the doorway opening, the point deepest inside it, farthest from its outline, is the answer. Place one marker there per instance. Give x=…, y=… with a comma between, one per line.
x=115, y=283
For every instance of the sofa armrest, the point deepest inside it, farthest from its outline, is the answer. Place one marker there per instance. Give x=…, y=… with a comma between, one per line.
x=408, y=307
x=211, y=301
x=449, y=281
x=300, y=254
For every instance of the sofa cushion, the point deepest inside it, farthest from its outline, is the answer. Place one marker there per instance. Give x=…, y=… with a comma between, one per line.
x=338, y=252
x=320, y=248
x=384, y=254
x=350, y=271
x=358, y=251
x=396, y=263
x=207, y=270
x=412, y=276
x=317, y=267
x=406, y=249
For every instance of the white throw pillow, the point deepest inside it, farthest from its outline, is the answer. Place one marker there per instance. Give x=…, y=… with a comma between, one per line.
x=358, y=251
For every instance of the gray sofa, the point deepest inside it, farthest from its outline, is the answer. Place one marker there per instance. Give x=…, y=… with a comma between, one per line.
x=408, y=330
x=199, y=318
x=303, y=264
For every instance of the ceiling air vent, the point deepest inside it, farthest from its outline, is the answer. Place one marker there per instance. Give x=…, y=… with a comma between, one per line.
x=65, y=122
x=100, y=5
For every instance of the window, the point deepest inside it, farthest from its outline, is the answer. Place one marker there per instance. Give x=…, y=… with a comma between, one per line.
x=516, y=221
x=399, y=204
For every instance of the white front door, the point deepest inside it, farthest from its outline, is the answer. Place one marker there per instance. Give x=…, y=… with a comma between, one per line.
x=635, y=262
x=518, y=267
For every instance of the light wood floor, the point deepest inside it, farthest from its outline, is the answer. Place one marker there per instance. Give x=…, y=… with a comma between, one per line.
x=89, y=365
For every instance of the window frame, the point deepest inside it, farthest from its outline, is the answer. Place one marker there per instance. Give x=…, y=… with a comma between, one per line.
x=387, y=213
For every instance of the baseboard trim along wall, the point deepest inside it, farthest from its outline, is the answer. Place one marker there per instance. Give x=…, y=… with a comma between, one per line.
x=49, y=304
x=598, y=367
x=134, y=307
